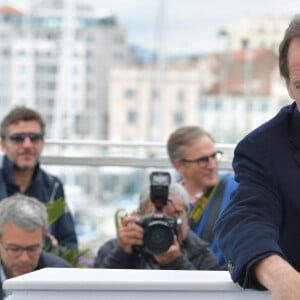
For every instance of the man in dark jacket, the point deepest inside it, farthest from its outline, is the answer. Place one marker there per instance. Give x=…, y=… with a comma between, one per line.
x=22, y=141
x=258, y=232
x=23, y=224
x=187, y=252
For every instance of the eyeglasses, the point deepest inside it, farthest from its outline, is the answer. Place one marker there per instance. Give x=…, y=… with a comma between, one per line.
x=177, y=211
x=18, y=138
x=15, y=251
x=203, y=161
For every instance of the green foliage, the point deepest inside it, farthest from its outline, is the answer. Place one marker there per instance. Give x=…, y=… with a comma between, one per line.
x=78, y=258
x=55, y=209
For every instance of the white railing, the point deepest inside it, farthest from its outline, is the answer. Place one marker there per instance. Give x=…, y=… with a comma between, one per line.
x=135, y=154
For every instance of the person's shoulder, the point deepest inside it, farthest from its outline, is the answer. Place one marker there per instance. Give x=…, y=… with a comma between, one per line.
x=226, y=176
x=6, y=164
x=282, y=116
x=49, y=260
x=275, y=128
x=229, y=180
x=47, y=177
x=195, y=240
x=109, y=245
x=278, y=122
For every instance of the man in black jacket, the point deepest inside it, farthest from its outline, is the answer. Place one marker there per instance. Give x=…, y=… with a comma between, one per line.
x=22, y=141
x=23, y=224
x=187, y=252
x=258, y=232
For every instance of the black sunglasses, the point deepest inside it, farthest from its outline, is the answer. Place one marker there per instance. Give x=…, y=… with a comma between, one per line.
x=18, y=138
x=203, y=161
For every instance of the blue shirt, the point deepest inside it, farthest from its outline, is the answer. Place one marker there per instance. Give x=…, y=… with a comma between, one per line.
x=200, y=226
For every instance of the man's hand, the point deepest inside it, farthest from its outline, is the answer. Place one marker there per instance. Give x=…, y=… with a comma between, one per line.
x=278, y=276
x=173, y=252
x=130, y=234
x=53, y=240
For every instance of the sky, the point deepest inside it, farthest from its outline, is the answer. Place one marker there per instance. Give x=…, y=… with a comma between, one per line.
x=187, y=26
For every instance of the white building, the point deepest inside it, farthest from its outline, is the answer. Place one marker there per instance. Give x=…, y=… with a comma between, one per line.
x=255, y=32
x=56, y=58
x=144, y=104
x=227, y=94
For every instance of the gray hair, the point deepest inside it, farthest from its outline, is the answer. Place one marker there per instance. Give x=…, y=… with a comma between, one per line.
x=181, y=137
x=175, y=189
x=23, y=211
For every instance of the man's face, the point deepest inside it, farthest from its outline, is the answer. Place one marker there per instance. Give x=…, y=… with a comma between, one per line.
x=24, y=154
x=200, y=175
x=14, y=263
x=174, y=209
x=293, y=84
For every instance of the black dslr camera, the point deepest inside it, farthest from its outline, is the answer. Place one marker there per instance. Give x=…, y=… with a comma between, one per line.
x=159, y=228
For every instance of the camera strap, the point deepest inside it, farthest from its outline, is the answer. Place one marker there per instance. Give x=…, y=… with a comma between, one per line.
x=200, y=206
x=214, y=194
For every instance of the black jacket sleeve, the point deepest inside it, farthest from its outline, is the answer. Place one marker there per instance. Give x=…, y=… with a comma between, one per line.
x=111, y=256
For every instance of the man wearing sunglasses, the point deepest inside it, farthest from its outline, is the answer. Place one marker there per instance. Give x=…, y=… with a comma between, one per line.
x=188, y=251
x=22, y=141
x=193, y=154
x=23, y=224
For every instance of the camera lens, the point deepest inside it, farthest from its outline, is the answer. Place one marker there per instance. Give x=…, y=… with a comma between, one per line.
x=158, y=237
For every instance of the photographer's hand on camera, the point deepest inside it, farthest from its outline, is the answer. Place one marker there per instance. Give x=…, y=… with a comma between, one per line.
x=158, y=236
x=130, y=234
x=173, y=252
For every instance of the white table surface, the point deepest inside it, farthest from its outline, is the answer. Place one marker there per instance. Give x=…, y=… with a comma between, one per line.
x=51, y=283
x=99, y=279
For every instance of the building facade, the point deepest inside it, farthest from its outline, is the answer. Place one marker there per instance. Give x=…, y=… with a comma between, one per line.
x=228, y=94
x=255, y=32
x=56, y=57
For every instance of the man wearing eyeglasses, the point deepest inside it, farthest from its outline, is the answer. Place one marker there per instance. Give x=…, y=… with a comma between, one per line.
x=22, y=141
x=193, y=154
x=188, y=251
x=23, y=224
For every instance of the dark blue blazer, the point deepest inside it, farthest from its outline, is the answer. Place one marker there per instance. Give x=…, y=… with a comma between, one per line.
x=49, y=260
x=263, y=216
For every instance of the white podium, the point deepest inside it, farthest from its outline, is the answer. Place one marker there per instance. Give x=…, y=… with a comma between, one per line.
x=108, y=284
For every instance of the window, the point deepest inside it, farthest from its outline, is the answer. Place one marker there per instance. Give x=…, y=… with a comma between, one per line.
x=218, y=105
x=129, y=93
x=178, y=118
x=131, y=117
x=46, y=69
x=202, y=105
x=180, y=96
x=155, y=94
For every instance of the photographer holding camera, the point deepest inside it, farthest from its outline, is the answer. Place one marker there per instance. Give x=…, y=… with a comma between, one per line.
x=144, y=242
